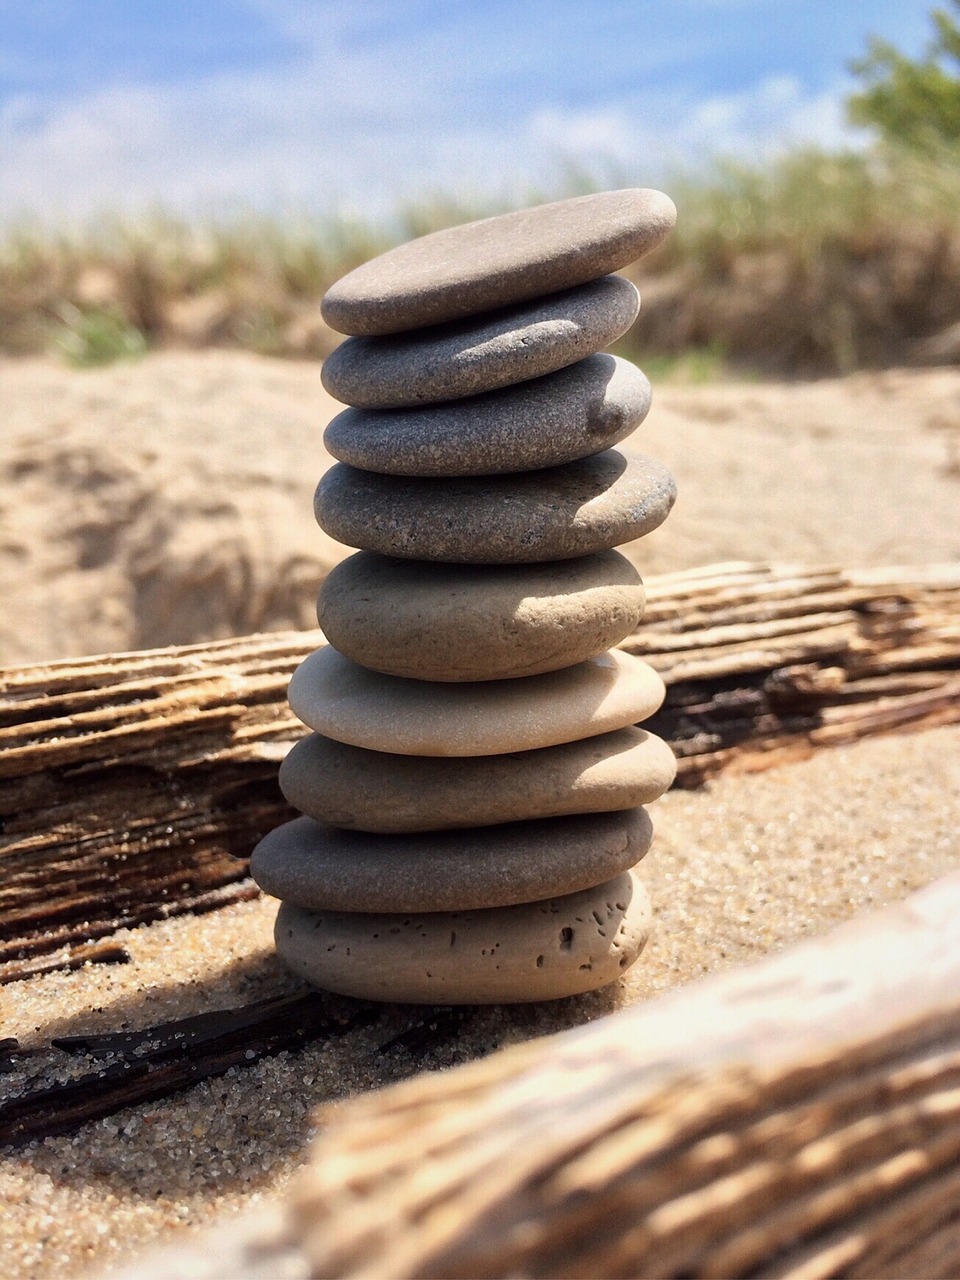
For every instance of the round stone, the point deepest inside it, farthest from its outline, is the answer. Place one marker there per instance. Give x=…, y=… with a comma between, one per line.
x=471, y=356
x=326, y=868
x=455, y=622
x=571, y=510
x=582, y=409
x=375, y=791
x=497, y=261
x=536, y=951
x=342, y=700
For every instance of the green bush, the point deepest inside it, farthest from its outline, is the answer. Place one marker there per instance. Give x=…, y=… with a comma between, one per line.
x=89, y=338
x=914, y=104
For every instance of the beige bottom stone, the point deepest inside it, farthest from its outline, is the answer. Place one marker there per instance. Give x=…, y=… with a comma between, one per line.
x=538, y=951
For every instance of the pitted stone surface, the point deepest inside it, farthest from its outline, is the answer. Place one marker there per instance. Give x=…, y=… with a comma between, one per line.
x=490, y=351
x=496, y=261
x=373, y=791
x=572, y=510
x=536, y=951
x=341, y=700
x=582, y=409
x=453, y=622
x=326, y=868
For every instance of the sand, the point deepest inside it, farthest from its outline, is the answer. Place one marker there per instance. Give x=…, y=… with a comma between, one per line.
x=146, y=498
x=169, y=501
x=737, y=871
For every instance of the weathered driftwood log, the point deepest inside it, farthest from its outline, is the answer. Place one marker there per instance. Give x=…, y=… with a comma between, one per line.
x=799, y=1118
x=134, y=786
x=765, y=665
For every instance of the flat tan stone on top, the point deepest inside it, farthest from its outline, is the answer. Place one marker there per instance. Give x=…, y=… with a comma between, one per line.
x=482, y=354
x=326, y=868
x=582, y=409
x=494, y=261
x=377, y=791
x=453, y=622
x=536, y=951
x=342, y=700
x=573, y=510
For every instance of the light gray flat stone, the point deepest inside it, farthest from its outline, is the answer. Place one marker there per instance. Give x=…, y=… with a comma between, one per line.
x=342, y=700
x=572, y=510
x=490, y=351
x=326, y=868
x=497, y=261
x=582, y=409
x=431, y=621
x=375, y=791
x=537, y=951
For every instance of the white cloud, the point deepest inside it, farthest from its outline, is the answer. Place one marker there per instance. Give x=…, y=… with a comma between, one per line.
x=773, y=114
x=608, y=134
x=358, y=122
x=653, y=135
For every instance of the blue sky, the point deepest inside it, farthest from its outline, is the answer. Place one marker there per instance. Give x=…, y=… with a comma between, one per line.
x=220, y=106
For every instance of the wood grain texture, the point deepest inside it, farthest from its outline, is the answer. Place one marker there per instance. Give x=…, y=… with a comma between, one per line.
x=134, y=1067
x=134, y=786
x=799, y=1118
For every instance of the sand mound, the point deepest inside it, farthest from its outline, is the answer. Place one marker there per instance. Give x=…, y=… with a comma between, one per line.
x=159, y=503
x=169, y=501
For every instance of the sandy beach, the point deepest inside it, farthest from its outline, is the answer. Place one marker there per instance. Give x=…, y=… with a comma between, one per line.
x=170, y=501
x=201, y=467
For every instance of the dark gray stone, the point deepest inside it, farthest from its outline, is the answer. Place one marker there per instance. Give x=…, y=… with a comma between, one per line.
x=579, y=410
x=497, y=261
x=572, y=510
x=321, y=867
x=454, y=622
x=494, y=350
x=377, y=791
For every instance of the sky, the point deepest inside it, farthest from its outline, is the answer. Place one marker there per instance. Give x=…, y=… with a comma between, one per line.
x=353, y=107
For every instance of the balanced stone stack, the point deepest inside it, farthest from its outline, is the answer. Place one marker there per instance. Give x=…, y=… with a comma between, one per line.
x=472, y=788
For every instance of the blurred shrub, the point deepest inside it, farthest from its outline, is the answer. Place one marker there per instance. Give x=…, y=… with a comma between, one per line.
x=816, y=263
x=912, y=103
x=95, y=337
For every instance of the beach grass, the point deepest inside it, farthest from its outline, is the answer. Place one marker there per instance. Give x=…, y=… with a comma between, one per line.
x=814, y=263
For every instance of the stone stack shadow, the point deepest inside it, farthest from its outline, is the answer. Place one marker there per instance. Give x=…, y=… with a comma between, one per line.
x=473, y=786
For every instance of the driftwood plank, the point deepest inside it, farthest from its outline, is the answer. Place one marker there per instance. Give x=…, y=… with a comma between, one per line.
x=799, y=1118
x=134, y=786
x=154, y=1062
x=75, y=958
x=142, y=1066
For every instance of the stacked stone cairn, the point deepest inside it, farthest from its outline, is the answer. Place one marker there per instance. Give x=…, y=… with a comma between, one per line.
x=474, y=782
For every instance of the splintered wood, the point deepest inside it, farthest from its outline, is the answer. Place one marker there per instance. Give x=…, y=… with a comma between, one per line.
x=141, y=1066
x=134, y=786
x=799, y=1118
x=763, y=666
